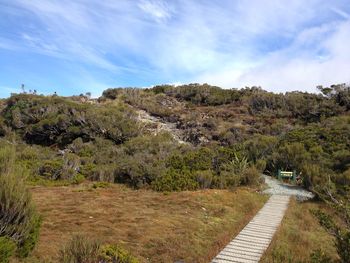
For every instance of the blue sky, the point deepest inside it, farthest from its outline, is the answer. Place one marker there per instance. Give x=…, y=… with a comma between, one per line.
x=79, y=46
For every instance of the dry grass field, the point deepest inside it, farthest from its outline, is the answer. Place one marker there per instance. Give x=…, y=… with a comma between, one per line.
x=155, y=227
x=298, y=236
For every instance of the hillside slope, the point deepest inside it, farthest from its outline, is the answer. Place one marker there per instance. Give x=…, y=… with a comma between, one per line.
x=181, y=138
x=195, y=135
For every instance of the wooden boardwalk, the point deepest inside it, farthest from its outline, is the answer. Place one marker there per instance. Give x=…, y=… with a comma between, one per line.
x=250, y=244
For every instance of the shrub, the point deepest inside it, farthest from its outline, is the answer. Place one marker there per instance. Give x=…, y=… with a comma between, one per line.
x=112, y=93
x=31, y=239
x=29, y=156
x=282, y=253
x=259, y=146
x=173, y=180
x=238, y=164
x=201, y=94
x=18, y=218
x=115, y=254
x=204, y=178
x=199, y=159
x=70, y=166
x=290, y=156
x=3, y=128
x=78, y=179
x=343, y=245
x=250, y=176
x=104, y=173
x=80, y=249
x=227, y=179
x=141, y=159
x=260, y=165
x=7, y=249
x=319, y=256
x=88, y=170
x=100, y=185
x=341, y=234
x=54, y=120
x=52, y=169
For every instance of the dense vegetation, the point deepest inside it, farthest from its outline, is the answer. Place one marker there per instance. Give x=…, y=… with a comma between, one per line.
x=19, y=222
x=231, y=137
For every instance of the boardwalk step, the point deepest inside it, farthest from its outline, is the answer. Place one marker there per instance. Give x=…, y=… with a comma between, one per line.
x=250, y=244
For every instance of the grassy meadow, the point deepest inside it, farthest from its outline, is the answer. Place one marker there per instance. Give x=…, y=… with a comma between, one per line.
x=155, y=227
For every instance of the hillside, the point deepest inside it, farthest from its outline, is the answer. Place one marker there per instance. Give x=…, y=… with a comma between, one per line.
x=178, y=138
x=76, y=136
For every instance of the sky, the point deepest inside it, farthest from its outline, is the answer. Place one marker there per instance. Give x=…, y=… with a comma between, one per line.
x=79, y=46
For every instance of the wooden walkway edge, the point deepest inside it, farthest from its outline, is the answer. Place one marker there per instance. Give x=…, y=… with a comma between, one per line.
x=250, y=244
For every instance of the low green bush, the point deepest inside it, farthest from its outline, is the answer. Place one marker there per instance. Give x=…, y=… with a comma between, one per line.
x=260, y=165
x=82, y=249
x=71, y=164
x=104, y=173
x=341, y=233
x=319, y=256
x=199, y=94
x=250, y=176
x=115, y=254
x=52, y=169
x=227, y=179
x=174, y=180
x=204, y=178
x=78, y=179
x=7, y=249
x=3, y=127
x=28, y=244
x=88, y=170
x=18, y=218
x=100, y=185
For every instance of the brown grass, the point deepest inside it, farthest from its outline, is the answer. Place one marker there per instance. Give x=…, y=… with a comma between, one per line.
x=298, y=236
x=155, y=227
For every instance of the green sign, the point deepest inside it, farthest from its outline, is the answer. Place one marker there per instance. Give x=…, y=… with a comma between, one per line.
x=286, y=174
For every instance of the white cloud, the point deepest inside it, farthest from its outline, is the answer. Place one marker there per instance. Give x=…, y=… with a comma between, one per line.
x=278, y=45
x=282, y=73
x=294, y=68
x=158, y=9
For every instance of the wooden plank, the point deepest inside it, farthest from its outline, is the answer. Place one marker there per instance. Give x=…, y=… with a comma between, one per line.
x=250, y=244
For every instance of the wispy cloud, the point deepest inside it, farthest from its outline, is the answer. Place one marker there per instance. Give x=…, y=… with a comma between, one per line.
x=317, y=55
x=157, y=9
x=230, y=43
x=341, y=13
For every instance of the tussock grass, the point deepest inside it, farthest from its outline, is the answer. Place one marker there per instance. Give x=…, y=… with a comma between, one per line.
x=80, y=249
x=299, y=235
x=154, y=227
